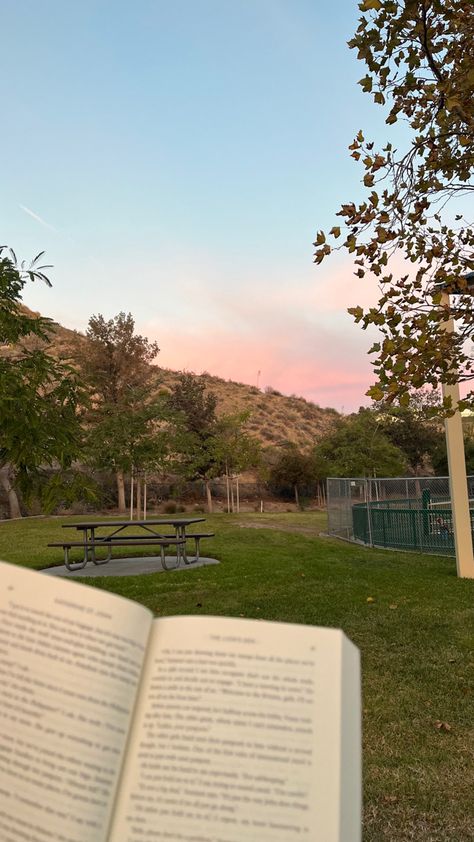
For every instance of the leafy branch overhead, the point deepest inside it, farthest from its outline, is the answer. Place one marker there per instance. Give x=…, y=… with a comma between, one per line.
x=419, y=56
x=39, y=396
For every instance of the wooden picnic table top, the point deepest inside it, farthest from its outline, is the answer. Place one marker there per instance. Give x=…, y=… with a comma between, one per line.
x=150, y=522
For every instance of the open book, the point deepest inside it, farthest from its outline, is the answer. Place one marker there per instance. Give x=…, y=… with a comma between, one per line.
x=115, y=727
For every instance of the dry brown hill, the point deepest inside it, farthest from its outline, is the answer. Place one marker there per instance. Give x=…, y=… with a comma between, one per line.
x=274, y=418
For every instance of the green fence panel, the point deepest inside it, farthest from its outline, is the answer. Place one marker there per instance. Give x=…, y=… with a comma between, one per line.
x=424, y=530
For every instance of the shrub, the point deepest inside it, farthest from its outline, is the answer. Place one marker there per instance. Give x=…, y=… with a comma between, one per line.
x=269, y=390
x=170, y=508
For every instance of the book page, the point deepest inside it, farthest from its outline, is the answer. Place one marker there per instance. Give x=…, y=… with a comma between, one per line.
x=239, y=735
x=70, y=664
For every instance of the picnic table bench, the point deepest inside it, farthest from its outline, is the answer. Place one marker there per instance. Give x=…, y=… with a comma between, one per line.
x=147, y=536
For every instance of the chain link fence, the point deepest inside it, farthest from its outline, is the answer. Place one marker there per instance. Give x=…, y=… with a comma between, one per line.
x=408, y=513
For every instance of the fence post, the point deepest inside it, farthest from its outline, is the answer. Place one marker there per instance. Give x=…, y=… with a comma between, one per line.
x=425, y=503
x=414, y=529
x=369, y=518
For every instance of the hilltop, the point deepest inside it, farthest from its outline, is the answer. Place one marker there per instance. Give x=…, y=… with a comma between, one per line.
x=274, y=418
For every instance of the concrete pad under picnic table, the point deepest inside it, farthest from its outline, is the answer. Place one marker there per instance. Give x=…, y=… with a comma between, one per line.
x=126, y=567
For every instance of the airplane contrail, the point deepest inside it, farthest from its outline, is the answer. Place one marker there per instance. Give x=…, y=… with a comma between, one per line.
x=38, y=219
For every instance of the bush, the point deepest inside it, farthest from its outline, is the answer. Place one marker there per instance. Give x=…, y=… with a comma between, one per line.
x=170, y=508
x=269, y=390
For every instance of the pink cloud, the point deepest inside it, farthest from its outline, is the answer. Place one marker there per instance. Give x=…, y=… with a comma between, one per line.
x=321, y=367
x=295, y=331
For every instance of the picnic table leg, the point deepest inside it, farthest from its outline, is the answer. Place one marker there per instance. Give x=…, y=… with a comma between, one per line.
x=91, y=550
x=163, y=558
x=74, y=566
x=89, y=553
x=104, y=560
x=181, y=548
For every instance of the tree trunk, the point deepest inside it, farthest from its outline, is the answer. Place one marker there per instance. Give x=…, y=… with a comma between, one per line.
x=297, y=499
x=208, y=496
x=232, y=505
x=139, y=497
x=13, y=503
x=237, y=494
x=121, y=492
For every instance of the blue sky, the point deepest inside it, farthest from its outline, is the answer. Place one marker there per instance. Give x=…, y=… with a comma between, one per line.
x=175, y=161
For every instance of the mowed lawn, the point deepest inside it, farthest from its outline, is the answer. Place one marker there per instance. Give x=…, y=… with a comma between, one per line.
x=412, y=619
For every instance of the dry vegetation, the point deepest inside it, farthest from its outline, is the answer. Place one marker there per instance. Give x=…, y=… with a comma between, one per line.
x=274, y=418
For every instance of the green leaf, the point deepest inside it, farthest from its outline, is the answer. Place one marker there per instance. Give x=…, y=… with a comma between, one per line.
x=376, y=393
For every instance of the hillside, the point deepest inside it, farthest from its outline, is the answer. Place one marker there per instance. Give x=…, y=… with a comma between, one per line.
x=274, y=418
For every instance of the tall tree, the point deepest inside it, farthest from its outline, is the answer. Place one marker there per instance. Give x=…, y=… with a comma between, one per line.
x=132, y=438
x=357, y=447
x=419, y=437
x=237, y=451
x=439, y=458
x=292, y=473
x=197, y=431
x=115, y=363
x=39, y=396
x=420, y=62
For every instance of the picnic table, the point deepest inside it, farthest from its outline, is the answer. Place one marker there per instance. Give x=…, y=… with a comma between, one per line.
x=147, y=534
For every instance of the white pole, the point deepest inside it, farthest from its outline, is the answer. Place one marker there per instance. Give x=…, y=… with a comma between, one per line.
x=457, y=474
x=368, y=495
x=144, y=497
x=227, y=488
x=131, y=494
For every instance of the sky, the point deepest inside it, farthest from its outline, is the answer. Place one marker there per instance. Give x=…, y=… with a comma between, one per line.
x=175, y=161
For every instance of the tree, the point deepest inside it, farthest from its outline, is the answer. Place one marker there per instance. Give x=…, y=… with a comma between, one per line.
x=292, y=473
x=197, y=430
x=419, y=55
x=408, y=429
x=236, y=451
x=439, y=458
x=357, y=447
x=130, y=438
x=39, y=396
x=115, y=363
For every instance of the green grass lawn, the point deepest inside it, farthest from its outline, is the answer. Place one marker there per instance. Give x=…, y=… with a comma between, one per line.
x=411, y=617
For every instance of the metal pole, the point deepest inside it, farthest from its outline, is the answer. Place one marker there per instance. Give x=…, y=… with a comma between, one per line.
x=457, y=474
x=367, y=502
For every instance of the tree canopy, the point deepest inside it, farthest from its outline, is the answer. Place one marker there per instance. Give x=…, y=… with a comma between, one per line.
x=196, y=431
x=39, y=396
x=408, y=428
x=115, y=360
x=420, y=64
x=292, y=473
x=358, y=447
x=123, y=422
